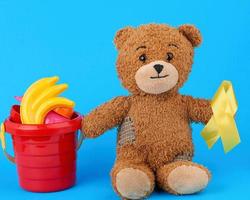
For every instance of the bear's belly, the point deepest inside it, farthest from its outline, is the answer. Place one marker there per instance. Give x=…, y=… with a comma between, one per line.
x=158, y=144
x=153, y=124
x=165, y=141
x=160, y=130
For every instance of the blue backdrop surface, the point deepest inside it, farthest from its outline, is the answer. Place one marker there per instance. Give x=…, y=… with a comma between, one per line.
x=74, y=39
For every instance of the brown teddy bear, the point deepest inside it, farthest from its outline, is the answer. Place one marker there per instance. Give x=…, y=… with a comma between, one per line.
x=154, y=142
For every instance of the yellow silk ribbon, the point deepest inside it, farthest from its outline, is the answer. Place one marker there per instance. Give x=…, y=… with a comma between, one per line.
x=222, y=124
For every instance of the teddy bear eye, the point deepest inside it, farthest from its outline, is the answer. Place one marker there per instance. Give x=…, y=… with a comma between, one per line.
x=170, y=56
x=142, y=58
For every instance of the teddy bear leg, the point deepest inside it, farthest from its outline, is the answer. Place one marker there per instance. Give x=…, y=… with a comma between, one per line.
x=132, y=181
x=182, y=177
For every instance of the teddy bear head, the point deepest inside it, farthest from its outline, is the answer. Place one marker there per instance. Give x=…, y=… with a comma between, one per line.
x=155, y=58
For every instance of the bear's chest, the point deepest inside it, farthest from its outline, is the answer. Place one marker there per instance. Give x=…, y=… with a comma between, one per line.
x=151, y=119
x=147, y=112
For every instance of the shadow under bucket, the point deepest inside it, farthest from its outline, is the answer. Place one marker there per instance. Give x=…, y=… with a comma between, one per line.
x=45, y=154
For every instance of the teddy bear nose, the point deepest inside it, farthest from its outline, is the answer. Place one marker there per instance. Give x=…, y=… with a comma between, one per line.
x=158, y=68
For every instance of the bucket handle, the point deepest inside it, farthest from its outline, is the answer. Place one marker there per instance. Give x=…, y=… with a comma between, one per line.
x=3, y=143
x=80, y=139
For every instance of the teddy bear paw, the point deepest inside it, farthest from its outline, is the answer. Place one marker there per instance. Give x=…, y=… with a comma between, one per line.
x=133, y=183
x=186, y=179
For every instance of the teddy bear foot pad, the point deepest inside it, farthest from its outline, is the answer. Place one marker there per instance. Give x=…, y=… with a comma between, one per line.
x=183, y=177
x=136, y=189
x=133, y=181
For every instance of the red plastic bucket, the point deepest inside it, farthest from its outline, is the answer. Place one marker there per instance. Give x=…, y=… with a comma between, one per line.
x=45, y=154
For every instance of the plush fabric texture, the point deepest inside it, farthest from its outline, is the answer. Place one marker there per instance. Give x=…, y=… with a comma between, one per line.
x=161, y=133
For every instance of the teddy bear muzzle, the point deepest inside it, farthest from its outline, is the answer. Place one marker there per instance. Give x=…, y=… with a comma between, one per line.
x=156, y=77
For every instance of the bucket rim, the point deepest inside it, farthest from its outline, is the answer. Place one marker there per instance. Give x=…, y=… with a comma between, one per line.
x=38, y=130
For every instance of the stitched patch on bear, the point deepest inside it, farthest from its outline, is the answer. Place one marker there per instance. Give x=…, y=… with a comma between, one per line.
x=126, y=132
x=184, y=156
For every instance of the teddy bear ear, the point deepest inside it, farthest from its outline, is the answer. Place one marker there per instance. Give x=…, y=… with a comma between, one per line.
x=191, y=33
x=122, y=35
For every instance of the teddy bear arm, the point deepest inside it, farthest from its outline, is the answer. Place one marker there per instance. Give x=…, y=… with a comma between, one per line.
x=105, y=117
x=199, y=110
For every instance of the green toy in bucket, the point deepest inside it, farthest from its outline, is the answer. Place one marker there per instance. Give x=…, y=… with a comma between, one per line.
x=45, y=153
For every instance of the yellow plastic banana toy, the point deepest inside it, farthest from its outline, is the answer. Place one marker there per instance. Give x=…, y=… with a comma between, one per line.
x=53, y=91
x=49, y=105
x=40, y=98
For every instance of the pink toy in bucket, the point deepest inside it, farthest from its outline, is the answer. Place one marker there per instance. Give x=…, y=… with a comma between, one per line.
x=52, y=116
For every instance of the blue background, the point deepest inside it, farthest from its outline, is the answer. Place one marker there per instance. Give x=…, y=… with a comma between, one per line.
x=74, y=39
